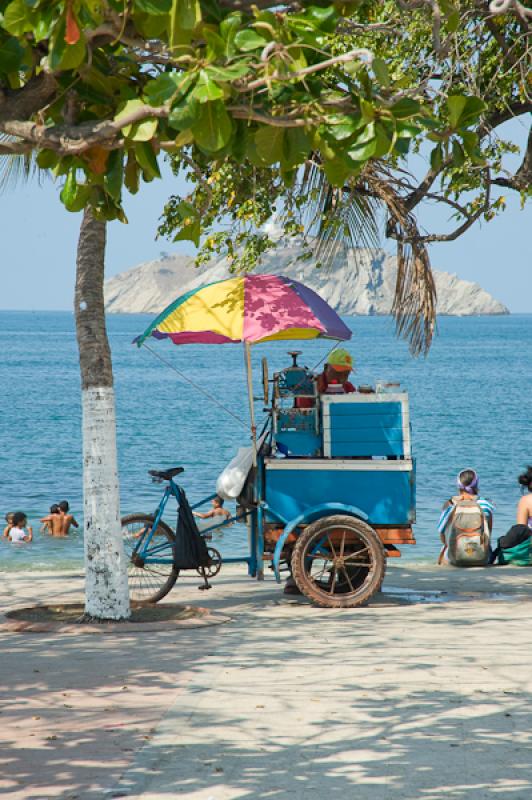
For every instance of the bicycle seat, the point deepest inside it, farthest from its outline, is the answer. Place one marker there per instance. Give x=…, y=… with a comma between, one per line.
x=166, y=474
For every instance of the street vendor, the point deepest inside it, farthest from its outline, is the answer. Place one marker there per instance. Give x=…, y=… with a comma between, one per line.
x=333, y=379
x=336, y=372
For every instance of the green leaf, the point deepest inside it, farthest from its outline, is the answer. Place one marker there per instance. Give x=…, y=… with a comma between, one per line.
x=151, y=26
x=381, y=72
x=63, y=56
x=452, y=15
x=132, y=173
x=367, y=110
x=17, y=18
x=187, y=13
x=141, y=131
x=385, y=138
x=363, y=151
x=249, y=40
x=190, y=223
x=474, y=107
x=458, y=154
x=229, y=27
x=163, y=88
x=269, y=143
x=213, y=127
x=147, y=159
x=336, y=171
x=470, y=141
x=11, y=55
x=47, y=159
x=184, y=114
x=114, y=175
x=43, y=25
x=296, y=147
x=407, y=130
x=464, y=110
x=215, y=44
x=455, y=106
x=232, y=72
x=68, y=192
x=323, y=18
x=402, y=146
x=436, y=158
x=405, y=108
x=344, y=127
x=206, y=89
x=365, y=134
x=153, y=7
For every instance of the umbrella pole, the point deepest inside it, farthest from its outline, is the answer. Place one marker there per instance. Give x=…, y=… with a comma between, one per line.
x=247, y=350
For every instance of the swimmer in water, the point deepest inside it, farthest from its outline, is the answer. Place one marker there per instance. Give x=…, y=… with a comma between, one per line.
x=19, y=531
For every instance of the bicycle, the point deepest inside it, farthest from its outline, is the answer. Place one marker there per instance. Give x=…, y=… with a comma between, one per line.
x=150, y=545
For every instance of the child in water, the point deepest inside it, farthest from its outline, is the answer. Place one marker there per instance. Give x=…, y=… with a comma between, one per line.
x=17, y=529
x=217, y=510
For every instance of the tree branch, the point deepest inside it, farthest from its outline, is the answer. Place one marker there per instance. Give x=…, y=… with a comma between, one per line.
x=21, y=104
x=302, y=73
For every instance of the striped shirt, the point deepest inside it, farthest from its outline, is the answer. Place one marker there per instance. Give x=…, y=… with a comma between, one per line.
x=487, y=508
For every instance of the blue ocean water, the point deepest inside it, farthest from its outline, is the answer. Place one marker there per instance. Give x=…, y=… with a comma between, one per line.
x=469, y=407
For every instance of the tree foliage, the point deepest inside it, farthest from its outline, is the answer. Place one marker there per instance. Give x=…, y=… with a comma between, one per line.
x=305, y=108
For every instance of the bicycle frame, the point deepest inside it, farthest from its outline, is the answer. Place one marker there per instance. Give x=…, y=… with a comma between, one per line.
x=153, y=555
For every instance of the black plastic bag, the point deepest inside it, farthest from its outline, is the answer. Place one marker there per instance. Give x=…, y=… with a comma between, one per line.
x=190, y=550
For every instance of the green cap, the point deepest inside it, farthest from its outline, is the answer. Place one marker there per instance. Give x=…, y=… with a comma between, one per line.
x=340, y=360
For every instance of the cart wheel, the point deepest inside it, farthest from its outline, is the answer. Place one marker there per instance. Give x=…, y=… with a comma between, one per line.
x=149, y=582
x=339, y=562
x=215, y=565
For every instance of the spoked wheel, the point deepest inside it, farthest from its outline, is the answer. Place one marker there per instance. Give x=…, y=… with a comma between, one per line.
x=215, y=566
x=339, y=562
x=149, y=580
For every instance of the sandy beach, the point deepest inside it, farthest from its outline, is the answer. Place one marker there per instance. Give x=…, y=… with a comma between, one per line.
x=423, y=694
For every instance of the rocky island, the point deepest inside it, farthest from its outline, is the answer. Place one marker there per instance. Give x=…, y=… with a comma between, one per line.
x=355, y=282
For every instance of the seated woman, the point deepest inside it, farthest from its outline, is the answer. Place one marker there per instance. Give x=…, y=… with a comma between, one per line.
x=466, y=541
x=515, y=547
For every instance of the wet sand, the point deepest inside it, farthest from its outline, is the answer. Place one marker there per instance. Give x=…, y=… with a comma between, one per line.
x=423, y=694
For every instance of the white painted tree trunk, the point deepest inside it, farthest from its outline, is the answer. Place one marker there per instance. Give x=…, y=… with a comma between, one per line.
x=106, y=587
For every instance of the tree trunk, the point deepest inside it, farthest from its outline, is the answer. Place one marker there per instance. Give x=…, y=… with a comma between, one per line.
x=106, y=587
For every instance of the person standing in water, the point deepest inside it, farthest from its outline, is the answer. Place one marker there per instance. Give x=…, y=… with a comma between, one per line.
x=66, y=518
x=52, y=523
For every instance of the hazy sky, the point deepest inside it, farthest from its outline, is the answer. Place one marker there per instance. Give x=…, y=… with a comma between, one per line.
x=38, y=245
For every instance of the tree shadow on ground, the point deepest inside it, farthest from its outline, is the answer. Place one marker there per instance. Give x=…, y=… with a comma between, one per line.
x=286, y=701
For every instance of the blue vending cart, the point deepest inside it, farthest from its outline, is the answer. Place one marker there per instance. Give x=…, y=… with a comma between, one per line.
x=335, y=488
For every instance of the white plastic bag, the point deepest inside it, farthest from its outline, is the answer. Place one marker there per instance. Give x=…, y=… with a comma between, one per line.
x=232, y=479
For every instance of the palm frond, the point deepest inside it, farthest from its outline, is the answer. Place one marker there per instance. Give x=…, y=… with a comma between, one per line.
x=414, y=305
x=337, y=217
x=16, y=169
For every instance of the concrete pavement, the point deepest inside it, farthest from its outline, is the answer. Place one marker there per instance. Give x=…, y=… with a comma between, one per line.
x=423, y=694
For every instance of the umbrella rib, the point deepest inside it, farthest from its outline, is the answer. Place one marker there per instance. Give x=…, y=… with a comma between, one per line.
x=195, y=385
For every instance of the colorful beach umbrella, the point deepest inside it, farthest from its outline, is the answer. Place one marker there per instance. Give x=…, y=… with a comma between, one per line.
x=250, y=309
